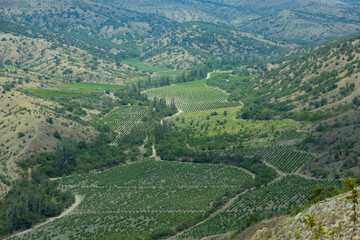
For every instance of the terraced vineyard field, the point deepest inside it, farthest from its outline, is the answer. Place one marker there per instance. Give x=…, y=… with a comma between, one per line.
x=131, y=201
x=278, y=197
x=193, y=96
x=92, y=86
x=281, y=153
x=123, y=119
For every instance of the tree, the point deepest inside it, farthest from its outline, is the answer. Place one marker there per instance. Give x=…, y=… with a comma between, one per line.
x=65, y=156
x=57, y=135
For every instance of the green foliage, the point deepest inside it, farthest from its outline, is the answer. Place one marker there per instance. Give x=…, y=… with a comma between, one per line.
x=57, y=135
x=50, y=120
x=321, y=193
x=6, y=87
x=21, y=134
x=30, y=202
x=67, y=71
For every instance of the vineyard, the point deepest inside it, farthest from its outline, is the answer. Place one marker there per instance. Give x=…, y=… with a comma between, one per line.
x=123, y=119
x=193, y=96
x=276, y=198
x=92, y=86
x=131, y=201
x=281, y=153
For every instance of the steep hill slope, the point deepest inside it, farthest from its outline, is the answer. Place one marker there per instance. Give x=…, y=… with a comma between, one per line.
x=331, y=214
x=59, y=62
x=185, y=44
x=85, y=23
x=26, y=129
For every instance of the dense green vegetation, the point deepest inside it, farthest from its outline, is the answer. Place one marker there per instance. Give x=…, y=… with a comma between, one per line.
x=30, y=202
x=145, y=199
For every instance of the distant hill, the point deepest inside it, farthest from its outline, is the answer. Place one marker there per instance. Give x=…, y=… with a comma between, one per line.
x=85, y=24
x=308, y=20
x=185, y=44
x=121, y=21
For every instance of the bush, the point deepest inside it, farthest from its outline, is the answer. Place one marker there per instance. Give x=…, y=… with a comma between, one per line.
x=68, y=71
x=21, y=134
x=50, y=120
x=57, y=135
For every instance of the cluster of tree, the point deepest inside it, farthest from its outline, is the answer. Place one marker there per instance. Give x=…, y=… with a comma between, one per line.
x=196, y=73
x=171, y=145
x=70, y=157
x=30, y=202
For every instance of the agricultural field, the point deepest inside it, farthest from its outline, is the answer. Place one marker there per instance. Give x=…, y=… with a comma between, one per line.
x=211, y=123
x=193, y=96
x=131, y=201
x=57, y=93
x=282, y=152
x=92, y=86
x=276, y=198
x=124, y=118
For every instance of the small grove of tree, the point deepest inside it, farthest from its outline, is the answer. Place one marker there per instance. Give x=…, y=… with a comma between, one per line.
x=336, y=232
x=31, y=201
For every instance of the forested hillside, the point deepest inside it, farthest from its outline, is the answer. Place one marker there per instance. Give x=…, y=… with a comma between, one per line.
x=195, y=42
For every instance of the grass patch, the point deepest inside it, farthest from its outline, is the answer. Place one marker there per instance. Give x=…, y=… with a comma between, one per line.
x=217, y=122
x=92, y=86
x=10, y=67
x=53, y=93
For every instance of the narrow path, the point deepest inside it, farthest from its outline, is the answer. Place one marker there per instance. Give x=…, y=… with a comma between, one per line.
x=142, y=147
x=78, y=200
x=177, y=114
x=231, y=201
x=283, y=174
x=280, y=173
x=217, y=71
x=154, y=155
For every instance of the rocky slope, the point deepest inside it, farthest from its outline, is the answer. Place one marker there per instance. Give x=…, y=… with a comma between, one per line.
x=331, y=214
